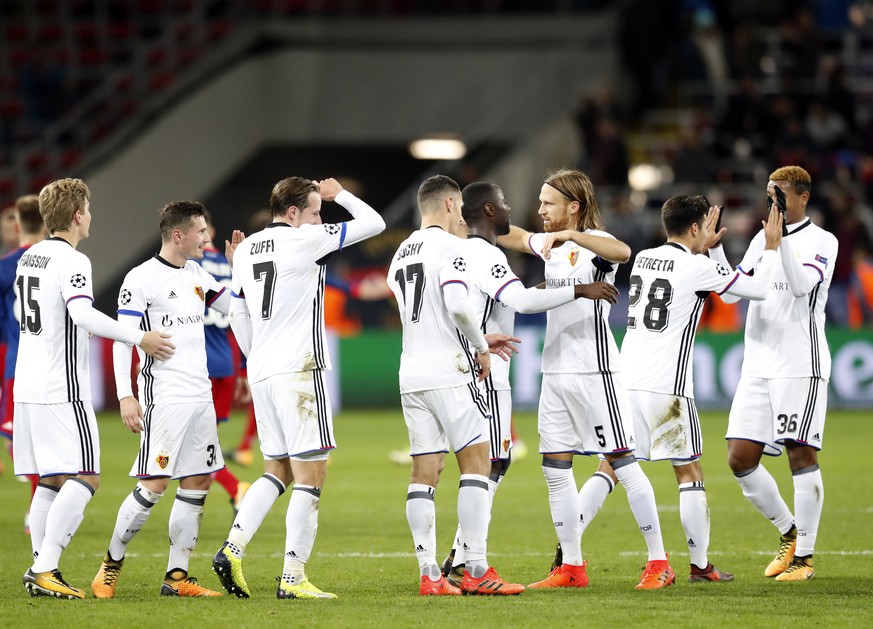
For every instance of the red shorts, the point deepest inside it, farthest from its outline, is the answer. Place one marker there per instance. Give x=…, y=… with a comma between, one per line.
x=8, y=409
x=222, y=396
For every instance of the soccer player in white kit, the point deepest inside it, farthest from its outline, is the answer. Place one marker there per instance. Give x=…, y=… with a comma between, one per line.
x=278, y=321
x=55, y=427
x=442, y=405
x=583, y=405
x=174, y=415
x=781, y=399
x=668, y=287
x=497, y=294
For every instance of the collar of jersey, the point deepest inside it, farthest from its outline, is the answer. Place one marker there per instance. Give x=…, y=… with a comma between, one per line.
x=59, y=239
x=160, y=259
x=270, y=225
x=804, y=224
x=680, y=247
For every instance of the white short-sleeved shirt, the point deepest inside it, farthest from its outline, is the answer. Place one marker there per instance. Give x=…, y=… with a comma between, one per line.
x=785, y=335
x=435, y=354
x=52, y=362
x=668, y=287
x=280, y=271
x=490, y=273
x=578, y=336
x=172, y=299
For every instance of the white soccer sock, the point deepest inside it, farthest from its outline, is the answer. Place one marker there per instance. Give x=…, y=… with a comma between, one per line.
x=694, y=513
x=64, y=517
x=185, y=519
x=474, y=508
x=421, y=515
x=761, y=490
x=808, y=501
x=591, y=498
x=301, y=525
x=132, y=515
x=259, y=500
x=564, y=506
x=42, y=501
x=641, y=497
x=460, y=556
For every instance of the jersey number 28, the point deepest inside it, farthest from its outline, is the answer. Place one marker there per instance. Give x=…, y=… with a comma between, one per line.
x=660, y=295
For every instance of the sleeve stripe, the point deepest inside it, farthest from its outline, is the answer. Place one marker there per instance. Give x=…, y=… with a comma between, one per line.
x=500, y=290
x=342, y=235
x=821, y=274
x=132, y=313
x=731, y=283
x=740, y=269
x=464, y=284
x=80, y=297
x=530, y=246
x=216, y=296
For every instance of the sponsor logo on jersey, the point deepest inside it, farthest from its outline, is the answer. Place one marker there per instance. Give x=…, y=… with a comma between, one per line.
x=199, y=291
x=163, y=461
x=172, y=295
x=124, y=297
x=498, y=271
x=821, y=259
x=574, y=255
x=460, y=264
x=78, y=280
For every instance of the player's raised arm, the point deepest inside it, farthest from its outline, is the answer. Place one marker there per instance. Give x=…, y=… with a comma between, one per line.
x=608, y=248
x=516, y=240
x=366, y=222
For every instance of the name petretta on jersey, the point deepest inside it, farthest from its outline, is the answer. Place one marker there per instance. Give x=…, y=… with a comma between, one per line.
x=654, y=264
x=34, y=262
x=558, y=282
x=262, y=246
x=409, y=250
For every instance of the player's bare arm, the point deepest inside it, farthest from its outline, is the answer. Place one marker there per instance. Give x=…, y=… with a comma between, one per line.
x=610, y=249
x=597, y=290
x=515, y=240
x=484, y=361
x=131, y=413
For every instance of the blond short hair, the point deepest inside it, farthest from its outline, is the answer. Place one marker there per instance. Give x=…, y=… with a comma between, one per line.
x=59, y=200
x=795, y=175
x=27, y=214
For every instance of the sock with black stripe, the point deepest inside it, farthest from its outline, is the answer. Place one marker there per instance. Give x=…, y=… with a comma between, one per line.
x=132, y=515
x=421, y=515
x=694, y=514
x=185, y=517
x=301, y=525
x=259, y=500
x=474, y=508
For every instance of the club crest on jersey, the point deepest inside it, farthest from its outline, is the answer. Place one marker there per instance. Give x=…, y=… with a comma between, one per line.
x=124, y=297
x=574, y=255
x=78, y=280
x=163, y=461
x=199, y=291
x=821, y=259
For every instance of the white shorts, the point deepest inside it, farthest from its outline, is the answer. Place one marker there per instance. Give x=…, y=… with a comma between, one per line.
x=440, y=420
x=775, y=410
x=666, y=426
x=55, y=439
x=500, y=424
x=585, y=414
x=293, y=414
x=178, y=440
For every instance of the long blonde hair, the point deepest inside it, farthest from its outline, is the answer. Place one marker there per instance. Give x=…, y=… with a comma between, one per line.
x=576, y=186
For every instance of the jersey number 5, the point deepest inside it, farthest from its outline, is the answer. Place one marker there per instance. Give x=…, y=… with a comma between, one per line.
x=414, y=274
x=655, y=316
x=30, y=321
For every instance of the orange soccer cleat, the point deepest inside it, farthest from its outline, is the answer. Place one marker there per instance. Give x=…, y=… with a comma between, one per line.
x=564, y=576
x=489, y=584
x=657, y=575
x=186, y=587
x=437, y=588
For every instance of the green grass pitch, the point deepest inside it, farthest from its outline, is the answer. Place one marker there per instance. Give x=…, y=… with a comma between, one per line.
x=364, y=548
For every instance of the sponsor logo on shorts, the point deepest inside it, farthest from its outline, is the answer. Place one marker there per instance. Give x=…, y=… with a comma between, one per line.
x=163, y=461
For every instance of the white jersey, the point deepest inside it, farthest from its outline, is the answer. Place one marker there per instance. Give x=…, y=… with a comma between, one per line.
x=52, y=364
x=668, y=287
x=490, y=273
x=435, y=354
x=159, y=296
x=578, y=337
x=785, y=335
x=280, y=271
